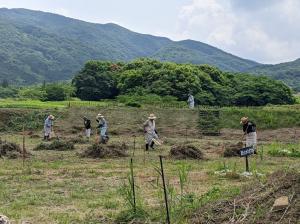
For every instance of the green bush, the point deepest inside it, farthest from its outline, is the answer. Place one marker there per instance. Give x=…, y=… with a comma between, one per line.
x=55, y=92
x=8, y=92
x=33, y=93
x=133, y=104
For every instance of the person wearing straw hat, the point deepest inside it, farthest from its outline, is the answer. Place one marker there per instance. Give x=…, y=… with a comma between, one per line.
x=249, y=129
x=48, y=126
x=87, y=126
x=103, y=126
x=150, y=132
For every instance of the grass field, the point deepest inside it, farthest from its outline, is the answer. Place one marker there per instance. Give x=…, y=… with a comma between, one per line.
x=62, y=187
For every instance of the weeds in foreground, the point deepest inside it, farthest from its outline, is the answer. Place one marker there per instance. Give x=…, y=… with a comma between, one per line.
x=284, y=150
x=133, y=202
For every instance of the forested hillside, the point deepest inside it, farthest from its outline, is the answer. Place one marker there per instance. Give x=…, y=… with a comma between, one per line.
x=210, y=86
x=37, y=46
x=288, y=72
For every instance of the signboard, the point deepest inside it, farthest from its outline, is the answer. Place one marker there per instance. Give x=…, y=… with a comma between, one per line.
x=246, y=151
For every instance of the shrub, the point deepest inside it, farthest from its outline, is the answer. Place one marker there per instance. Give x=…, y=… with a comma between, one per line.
x=55, y=92
x=8, y=92
x=133, y=104
x=33, y=92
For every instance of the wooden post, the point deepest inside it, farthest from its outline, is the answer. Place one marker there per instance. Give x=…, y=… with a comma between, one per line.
x=133, y=145
x=144, y=155
x=165, y=189
x=247, y=164
x=23, y=148
x=132, y=185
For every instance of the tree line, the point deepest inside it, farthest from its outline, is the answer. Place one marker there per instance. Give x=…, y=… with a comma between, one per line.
x=210, y=86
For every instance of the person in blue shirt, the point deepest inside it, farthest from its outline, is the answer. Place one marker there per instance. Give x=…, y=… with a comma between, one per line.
x=103, y=126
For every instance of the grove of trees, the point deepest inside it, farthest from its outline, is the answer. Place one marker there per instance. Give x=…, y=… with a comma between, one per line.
x=106, y=80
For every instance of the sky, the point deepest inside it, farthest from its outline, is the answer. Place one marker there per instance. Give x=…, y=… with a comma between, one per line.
x=267, y=31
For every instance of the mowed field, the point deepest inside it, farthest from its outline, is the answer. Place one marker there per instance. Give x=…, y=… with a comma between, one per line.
x=63, y=187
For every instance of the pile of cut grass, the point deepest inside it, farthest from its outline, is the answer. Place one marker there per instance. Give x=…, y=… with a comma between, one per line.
x=57, y=145
x=105, y=151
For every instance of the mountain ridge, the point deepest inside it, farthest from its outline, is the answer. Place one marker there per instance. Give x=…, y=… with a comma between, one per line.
x=39, y=46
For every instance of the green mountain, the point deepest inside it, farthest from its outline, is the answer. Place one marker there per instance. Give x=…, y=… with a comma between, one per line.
x=288, y=72
x=190, y=51
x=37, y=46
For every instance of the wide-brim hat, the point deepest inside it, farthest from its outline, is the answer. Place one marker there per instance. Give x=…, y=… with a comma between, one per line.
x=51, y=117
x=99, y=116
x=152, y=116
x=244, y=120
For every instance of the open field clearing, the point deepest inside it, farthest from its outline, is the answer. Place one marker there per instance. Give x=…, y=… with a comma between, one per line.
x=63, y=187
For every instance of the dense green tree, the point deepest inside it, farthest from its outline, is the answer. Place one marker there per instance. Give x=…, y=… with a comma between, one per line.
x=4, y=83
x=32, y=92
x=96, y=81
x=8, y=92
x=55, y=92
x=210, y=86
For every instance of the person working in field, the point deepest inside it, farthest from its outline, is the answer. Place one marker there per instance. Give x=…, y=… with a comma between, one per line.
x=150, y=132
x=87, y=126
x=249, y=129
x=103, y=126
x=191, y=101
x=48, y=126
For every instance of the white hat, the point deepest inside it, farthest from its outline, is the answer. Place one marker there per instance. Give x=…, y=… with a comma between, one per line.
x=99, y=116
x=51, y=117
x=152, y=117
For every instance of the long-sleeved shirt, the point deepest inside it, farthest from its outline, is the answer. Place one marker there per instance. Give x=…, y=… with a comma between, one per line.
x=249, y=127
x=87, y=124
x=149, y=125
x=48, y=123
x=102, y=123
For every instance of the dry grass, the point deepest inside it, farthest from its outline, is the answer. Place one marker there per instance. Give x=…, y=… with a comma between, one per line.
x=62, y=187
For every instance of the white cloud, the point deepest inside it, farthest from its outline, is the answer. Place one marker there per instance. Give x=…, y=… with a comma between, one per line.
x=269, y=33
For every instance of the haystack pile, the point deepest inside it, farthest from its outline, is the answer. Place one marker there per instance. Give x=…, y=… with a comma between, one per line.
x=106, y=151
x=57, y=145
x=10, y=150
x=185, y=152
x=233, y=149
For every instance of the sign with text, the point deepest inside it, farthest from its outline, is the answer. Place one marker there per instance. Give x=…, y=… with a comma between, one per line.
x=246, y=151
